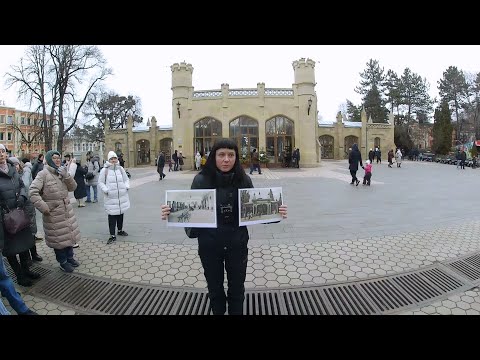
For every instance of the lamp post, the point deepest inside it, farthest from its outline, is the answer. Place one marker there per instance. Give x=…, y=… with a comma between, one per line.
x=309, y=106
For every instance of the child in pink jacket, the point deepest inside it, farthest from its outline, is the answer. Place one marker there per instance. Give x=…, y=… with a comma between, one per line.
x=368, y=173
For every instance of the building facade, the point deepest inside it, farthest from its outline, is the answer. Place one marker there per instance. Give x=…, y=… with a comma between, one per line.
x=335, y=139
x=19, y=132
x=273, y=120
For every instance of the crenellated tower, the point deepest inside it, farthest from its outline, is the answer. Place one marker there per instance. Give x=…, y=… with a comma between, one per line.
x=306, y=101
x=182, y=88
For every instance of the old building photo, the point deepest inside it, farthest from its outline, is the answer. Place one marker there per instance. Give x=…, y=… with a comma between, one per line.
x=259, y=205
x=191, y=208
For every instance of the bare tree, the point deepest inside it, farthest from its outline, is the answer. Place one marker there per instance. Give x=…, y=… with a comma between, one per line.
x=72, y=64
x=31, y=75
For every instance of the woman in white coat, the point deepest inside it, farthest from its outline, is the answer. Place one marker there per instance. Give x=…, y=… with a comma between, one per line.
x=398, y=157
x=113, y=182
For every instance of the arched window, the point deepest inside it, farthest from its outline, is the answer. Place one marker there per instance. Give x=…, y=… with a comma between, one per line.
x=118, y=148
x=244, y=131
x=166, y=146
x=280, y=139
x=349, y=141
x=143, y=152
x=206, y=131
x=327, y=143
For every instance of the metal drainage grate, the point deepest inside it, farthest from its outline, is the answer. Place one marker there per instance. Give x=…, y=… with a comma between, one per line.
x=117, y=299
x=384, y=295
x=43, y=271
x=262, y=303
x=193, y=303
x=465, y=269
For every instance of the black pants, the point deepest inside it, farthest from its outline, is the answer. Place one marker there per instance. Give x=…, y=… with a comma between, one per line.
x=462, y=164
x=115, y=220
x=233, y=255
x=354, y=175
x=367, y=178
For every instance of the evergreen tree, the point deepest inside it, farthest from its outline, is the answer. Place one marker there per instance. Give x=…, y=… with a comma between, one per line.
x=372, y=87
x=414, y=94
x=353, y=112
x=453, y=89
x=393, y=90
x=374, y=106
x=442, y=129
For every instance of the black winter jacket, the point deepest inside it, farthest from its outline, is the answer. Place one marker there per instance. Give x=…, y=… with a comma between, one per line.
x=10, y=185
x=227, y=208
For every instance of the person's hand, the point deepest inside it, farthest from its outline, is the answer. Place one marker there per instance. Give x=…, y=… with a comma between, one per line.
x=283, y=211
x=62, y=170
x=74, y=161
x=165, y=212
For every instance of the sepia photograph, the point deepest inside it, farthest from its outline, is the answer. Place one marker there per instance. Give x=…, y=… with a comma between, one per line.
x=192, y=208
x=259, y=205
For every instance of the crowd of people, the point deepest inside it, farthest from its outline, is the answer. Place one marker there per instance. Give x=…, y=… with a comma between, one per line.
x=46, y=186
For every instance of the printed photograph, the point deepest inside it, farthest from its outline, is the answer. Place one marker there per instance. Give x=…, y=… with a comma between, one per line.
x=192, y=208
x=259, y=205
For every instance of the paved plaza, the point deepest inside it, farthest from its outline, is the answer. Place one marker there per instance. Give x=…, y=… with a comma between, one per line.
x=407, y=219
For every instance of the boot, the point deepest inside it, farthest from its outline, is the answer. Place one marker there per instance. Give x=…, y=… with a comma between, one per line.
x=21, y=277
x=24, y=257
x=34, y=254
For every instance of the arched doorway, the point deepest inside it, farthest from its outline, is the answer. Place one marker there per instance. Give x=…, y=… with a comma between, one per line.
x=327, y=143
x=244, y=131
x=206, y=131
x=349, y=141
x=143, y=152
x=280, y=140
x=166, y=147
x=377, y=142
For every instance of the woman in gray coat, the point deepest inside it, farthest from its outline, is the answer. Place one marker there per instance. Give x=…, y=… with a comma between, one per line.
x=49, y=193
x=93, y=167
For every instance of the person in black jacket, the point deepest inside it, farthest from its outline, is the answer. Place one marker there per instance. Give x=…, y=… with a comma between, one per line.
x=161, y=165
x=38, y=166
x=13, y=195
x=353, y=159
x=225, y=246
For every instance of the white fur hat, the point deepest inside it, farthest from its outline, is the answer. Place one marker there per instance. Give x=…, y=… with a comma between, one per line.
x=112, y=154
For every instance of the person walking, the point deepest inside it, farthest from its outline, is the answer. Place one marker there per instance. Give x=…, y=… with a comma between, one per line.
x=390, y=158
x=114, y=184
x=198, y=159
x=255, y=162
x=398, y=158
x=175, y=160
x=49, y=194
x=354, y=158
x=225, y=247
x=160, y=165
x=463, y=158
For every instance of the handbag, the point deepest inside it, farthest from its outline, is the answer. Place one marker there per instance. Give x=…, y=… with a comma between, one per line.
x=15, y=220
x=89, y=176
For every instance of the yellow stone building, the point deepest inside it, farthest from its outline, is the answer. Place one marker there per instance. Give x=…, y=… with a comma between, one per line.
x=270, y=119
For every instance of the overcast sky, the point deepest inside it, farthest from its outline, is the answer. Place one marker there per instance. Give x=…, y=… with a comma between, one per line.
x=144, y=70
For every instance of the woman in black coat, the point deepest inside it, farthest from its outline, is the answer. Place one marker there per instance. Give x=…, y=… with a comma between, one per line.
x=224, y=247
x=81, y=190
x=353, y=159
x=12, y=185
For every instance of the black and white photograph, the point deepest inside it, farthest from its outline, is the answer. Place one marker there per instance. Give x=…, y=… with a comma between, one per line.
x=259, y=205
x=192, y=208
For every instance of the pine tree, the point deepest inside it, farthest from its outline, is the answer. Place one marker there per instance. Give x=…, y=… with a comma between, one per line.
x=442, y=129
